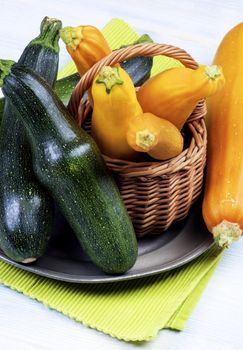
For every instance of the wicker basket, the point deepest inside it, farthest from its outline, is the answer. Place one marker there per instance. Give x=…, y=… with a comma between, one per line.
x=155, y=193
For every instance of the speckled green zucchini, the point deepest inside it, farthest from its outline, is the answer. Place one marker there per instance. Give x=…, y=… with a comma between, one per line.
x=67, y=161
x=26, y=208
x=63, y=87
x=139, y=68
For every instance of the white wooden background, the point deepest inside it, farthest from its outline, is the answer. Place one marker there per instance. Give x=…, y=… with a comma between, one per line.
x=197, y=26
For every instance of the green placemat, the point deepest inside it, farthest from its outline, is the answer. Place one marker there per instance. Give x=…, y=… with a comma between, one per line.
x=133, y=310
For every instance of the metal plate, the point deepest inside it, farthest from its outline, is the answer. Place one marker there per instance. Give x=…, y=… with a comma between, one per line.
x=65, y=260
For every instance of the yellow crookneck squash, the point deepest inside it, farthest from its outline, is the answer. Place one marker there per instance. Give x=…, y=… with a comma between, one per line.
x=173, y=94
x=115, y=103
x=86, y=45
x=156, y=136
x=223, y=197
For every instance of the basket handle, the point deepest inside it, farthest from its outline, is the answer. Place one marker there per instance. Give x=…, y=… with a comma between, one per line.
x=121, y=55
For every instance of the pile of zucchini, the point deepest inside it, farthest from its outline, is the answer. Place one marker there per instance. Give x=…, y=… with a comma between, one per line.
x=46, y=158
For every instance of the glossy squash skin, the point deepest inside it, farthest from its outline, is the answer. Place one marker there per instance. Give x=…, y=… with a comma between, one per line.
x=223, y=197
x=86, y=45
x=139, y=67
x=115, y=103
x=26, y=208
x=156, y=136
x=63, y=87
x=68, y=163
x=173, y=94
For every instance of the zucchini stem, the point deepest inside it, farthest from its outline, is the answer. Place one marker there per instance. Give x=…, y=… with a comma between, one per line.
x=5, y=67
x=226, y=232
x=49, y=34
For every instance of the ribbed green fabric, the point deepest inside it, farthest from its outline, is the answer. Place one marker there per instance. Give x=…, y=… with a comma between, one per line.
x=133, y=310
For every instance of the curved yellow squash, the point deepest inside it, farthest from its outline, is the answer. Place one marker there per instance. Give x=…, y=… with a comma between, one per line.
x=174, y=93
x=86, y=45
x=115, y=103
x=223, y=199
x=156, y=136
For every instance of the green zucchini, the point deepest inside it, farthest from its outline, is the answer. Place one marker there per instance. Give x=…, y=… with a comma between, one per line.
x=26, y=208
x=139, y=68
x=68, y=162
x=63, y=87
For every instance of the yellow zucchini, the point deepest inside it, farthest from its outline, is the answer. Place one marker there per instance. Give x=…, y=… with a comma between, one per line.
x=223, y=198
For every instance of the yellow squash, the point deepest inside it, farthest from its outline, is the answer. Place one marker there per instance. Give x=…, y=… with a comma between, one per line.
x=115, y=103
x=86, y=45
x=223, y=198
x=174, y=93
x=156, y=136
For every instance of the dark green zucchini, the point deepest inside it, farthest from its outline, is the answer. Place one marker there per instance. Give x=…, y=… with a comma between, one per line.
x=68, y=162
x=139, y=68
x=63, y=87
x=26, y=208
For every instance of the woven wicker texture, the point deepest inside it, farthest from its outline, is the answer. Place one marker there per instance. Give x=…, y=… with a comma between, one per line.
x=155, y=193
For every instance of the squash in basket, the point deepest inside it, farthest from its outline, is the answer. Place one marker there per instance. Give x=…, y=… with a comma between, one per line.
x=86, y=45
x=173, y=94
x=156, y=136
x=115, y=102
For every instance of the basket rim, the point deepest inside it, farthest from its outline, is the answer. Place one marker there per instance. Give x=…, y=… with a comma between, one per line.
x=186, y=159
x=197, y=147
x=151, y=169
x=143, y=49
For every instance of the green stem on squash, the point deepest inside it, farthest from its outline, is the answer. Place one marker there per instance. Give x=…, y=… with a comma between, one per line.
x=49, y=34
x=109, y=76
x=71, y=36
